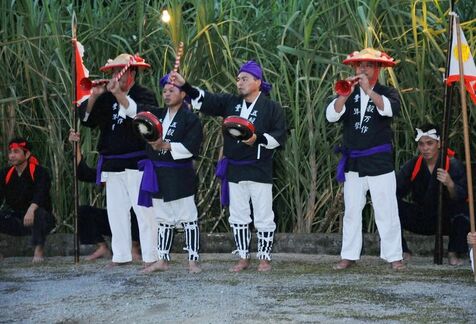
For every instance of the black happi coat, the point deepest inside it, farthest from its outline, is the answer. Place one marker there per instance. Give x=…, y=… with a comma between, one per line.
x=375, y=130
x=267, y=117
x=423, y=190
x=117, y=134
x=22, y=191
x=186, y=129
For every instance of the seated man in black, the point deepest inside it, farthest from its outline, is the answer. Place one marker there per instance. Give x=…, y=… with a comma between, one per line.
x=420, y=178
x=93, y=223
x=25, y=195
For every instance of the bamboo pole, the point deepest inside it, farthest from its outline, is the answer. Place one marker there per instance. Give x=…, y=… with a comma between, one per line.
x=448, y=94
x=75, y=144
x=467, y=153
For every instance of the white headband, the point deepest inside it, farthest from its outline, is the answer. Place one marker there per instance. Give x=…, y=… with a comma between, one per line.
x=430, y=133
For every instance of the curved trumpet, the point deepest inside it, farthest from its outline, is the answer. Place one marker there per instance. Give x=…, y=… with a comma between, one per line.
x=344, y=87
x=87, y=84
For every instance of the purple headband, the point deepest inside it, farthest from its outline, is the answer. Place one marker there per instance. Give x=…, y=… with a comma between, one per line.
x=165, y=80
x=254, y=69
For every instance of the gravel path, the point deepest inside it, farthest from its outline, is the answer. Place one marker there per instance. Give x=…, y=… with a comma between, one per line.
x=301, y=288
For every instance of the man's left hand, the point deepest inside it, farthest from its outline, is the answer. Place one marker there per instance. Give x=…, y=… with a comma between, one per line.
x=444, y=177
x=29, y=217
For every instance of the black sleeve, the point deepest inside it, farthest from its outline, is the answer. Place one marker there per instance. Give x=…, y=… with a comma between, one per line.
x=41, y=187
x=86, y=173
x=392, y=95
x=3, y=174
x=404, y=178
x=190, y=91
x=458, y=175
x=100, y=114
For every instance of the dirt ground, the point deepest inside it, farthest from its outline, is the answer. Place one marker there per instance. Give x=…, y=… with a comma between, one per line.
x=301, y=288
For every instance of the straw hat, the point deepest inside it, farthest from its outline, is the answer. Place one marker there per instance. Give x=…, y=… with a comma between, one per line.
x=122, y=60
x=370, y=55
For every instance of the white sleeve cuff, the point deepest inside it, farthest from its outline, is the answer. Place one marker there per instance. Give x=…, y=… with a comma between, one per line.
x=179, y=151
x=197, y=102
x=86, y=116
x=331, y=114
x=272, y=143
x=387, y=108
x=130, y=111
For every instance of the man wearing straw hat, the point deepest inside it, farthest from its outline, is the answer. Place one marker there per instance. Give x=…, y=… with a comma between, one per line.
x=247, y=167
x=120, y=148
x=367, y=164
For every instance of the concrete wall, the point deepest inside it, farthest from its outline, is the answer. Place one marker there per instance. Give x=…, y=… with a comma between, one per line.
x=315, y=243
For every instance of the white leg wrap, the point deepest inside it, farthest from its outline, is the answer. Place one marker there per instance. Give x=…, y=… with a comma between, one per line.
x=166, y=235
x=192, y=239
x=242, y=236
x=265, y=244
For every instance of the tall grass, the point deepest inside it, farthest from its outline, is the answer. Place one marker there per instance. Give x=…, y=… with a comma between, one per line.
x=300, y=44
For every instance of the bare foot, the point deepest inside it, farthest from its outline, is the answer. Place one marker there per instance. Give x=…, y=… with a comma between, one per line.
x=112, y=265
x=101, y=252
x=161, y=265
x=343, y=264
x=136, y=255
x=243, y=264
x=398, y=265
x=193, y=267
x=264, y=266
x=38, y=255
x=454, y=260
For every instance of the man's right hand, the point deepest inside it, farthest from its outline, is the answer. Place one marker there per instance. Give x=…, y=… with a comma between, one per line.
x=178, y=80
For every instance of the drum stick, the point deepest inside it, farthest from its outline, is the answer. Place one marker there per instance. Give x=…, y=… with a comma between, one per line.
x=177, y=61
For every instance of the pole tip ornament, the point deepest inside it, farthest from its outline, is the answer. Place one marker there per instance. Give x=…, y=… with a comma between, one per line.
x=370, y=55
x=122, y=60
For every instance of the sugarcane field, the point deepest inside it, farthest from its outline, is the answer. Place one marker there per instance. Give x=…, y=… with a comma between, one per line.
x=208, y=161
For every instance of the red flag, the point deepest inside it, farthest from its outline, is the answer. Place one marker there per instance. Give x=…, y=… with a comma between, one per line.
x=81, y=73
x=469, y=67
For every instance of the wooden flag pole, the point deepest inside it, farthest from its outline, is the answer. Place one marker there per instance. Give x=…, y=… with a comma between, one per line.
x=448, y=96
x=75, y=144
x=467, y=153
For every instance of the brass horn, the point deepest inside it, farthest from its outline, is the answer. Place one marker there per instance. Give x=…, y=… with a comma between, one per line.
x=344, y=87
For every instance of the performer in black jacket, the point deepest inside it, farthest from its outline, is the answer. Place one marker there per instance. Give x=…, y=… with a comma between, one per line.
x=170, y=190
x=247, y=167
x=25, y=193
x=419, y=180
x=120, y=149
x=366, y=113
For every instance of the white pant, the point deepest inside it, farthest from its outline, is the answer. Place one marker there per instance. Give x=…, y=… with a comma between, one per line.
x=261, y=196
x=122, y=191
x=175, y=212
x=383, y=193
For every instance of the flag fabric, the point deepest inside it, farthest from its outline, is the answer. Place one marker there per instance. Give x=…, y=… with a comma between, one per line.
x=81, y=73
x=469, y=67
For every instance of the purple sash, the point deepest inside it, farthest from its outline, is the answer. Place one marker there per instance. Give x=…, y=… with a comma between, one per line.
x=116, y=156
x=149, y=184
x=221, y=170
x=346, y=154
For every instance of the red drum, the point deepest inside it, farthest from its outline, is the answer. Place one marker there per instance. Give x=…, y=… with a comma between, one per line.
x=238, y=127
x=148, y=126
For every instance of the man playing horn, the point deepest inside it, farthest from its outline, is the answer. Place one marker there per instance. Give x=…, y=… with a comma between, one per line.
x=169, y=182
x=419, y=179
x=25, y=190
x=367, y=160
x=120, y=149
x=247, y=167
